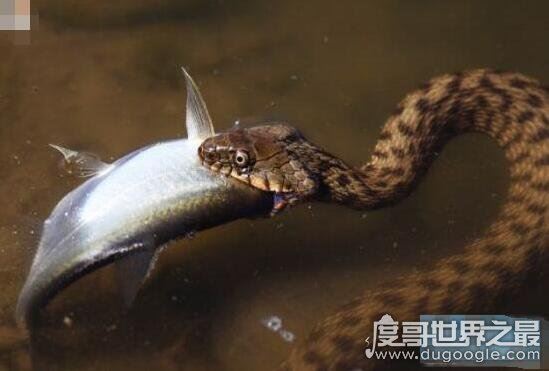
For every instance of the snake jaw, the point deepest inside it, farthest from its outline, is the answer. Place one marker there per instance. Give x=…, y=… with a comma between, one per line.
x=226, y=170
x=243, y=171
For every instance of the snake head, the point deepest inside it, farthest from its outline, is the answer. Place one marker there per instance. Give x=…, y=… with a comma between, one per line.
x=262, y=157
x=228, y=154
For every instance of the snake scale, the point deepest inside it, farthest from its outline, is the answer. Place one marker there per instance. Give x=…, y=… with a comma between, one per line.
x=510, y=108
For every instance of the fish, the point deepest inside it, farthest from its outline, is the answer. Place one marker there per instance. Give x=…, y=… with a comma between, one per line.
x=127, y=211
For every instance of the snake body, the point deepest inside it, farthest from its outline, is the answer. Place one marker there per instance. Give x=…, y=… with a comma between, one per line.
x=510, y=108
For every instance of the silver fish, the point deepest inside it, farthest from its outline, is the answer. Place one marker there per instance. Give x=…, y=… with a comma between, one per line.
x=131, y=208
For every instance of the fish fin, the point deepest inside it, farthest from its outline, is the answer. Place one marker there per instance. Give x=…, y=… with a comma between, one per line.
x=132, y=271
x=198, y=121
x=81, y=164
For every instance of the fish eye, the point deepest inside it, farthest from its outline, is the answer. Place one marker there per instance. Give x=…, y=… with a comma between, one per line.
x=241, y=158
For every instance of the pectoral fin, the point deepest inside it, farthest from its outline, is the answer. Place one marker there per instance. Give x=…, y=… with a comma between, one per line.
x=81, y=164
x=132, y=271
x=198, y=121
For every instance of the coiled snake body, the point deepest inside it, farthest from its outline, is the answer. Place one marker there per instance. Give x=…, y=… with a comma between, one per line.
x=510, y=108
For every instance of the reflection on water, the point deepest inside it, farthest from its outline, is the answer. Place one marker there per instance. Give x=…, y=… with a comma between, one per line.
x=104, y=78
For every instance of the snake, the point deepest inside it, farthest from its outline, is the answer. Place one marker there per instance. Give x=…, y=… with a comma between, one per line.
x=509, y=107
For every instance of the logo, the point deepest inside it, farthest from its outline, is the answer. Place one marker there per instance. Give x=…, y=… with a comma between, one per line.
x=460, y=340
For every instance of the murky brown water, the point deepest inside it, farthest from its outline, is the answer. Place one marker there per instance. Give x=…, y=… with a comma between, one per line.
x=104, y=77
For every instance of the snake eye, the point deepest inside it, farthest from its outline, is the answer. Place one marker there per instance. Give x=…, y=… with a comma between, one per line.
x=241, y=158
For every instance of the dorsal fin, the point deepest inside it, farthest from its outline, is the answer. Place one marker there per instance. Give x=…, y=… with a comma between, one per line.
x=198, y=120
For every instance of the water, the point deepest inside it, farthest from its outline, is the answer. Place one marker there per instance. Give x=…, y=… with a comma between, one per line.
x=104, y=78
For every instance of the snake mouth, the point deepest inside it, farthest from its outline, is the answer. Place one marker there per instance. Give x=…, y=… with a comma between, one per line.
x=219, y=167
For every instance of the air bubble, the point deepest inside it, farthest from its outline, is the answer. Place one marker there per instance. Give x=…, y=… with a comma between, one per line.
x=273, y=323
x=287, y=336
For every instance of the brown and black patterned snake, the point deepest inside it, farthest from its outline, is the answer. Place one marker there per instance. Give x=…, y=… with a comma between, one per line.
x=509, y=107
